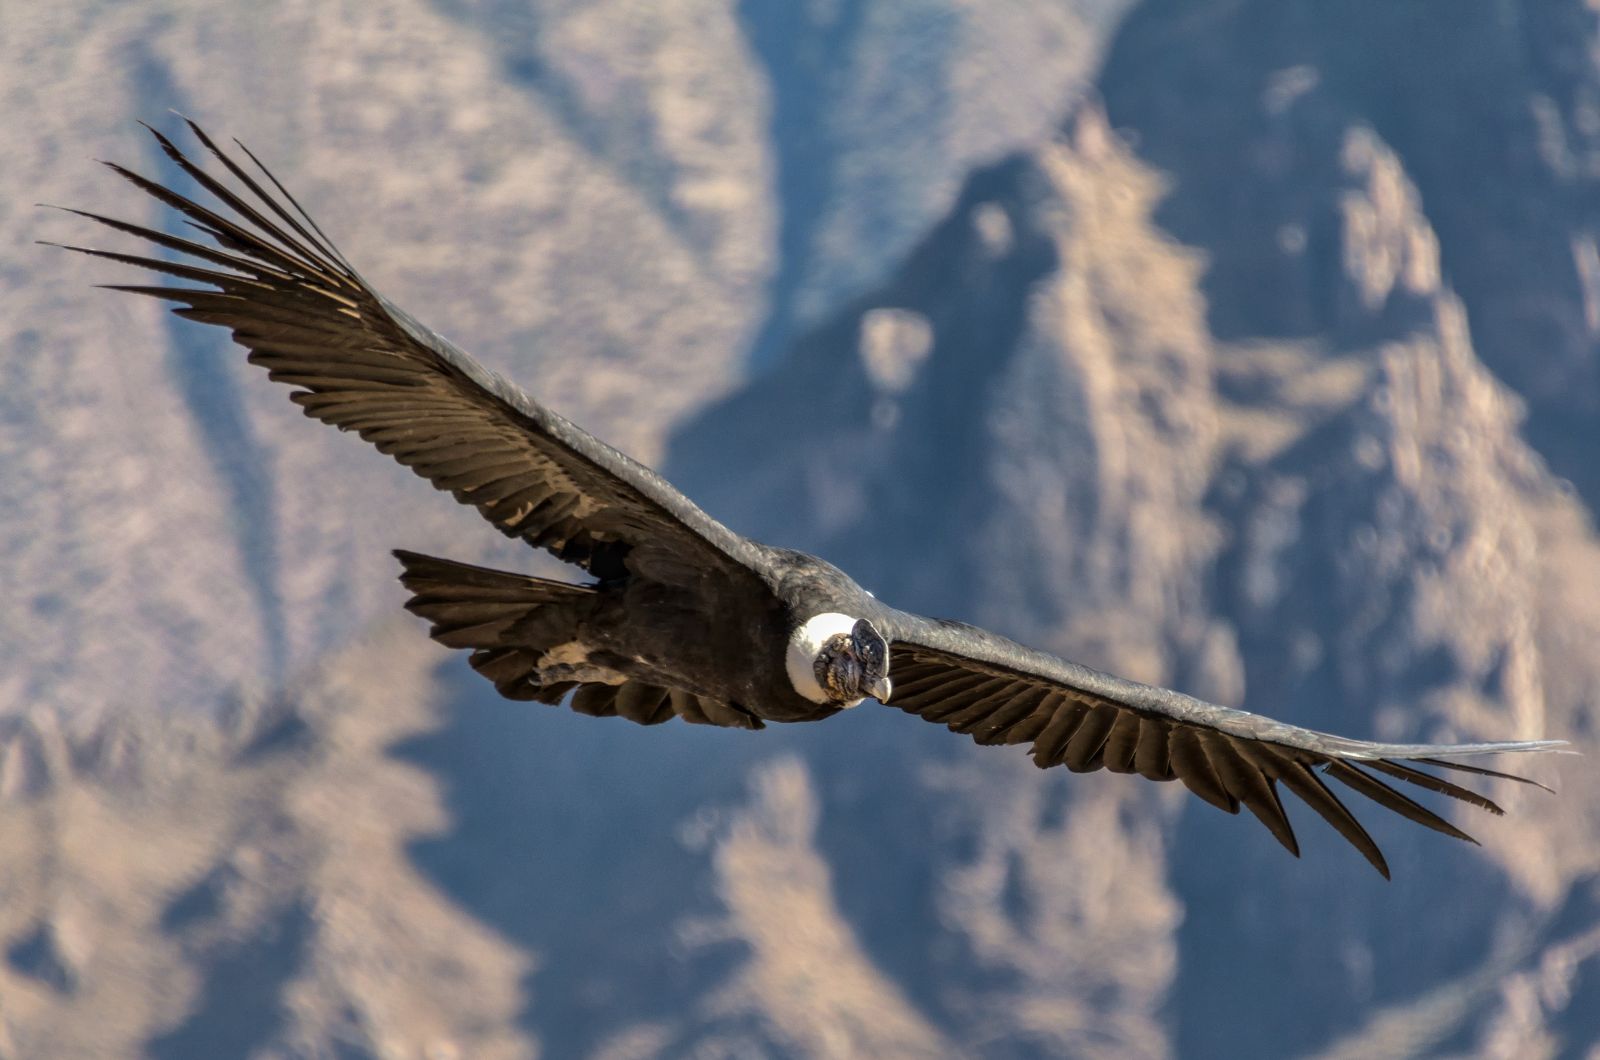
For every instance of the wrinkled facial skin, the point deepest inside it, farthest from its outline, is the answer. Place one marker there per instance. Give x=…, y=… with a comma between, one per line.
x=852, y=667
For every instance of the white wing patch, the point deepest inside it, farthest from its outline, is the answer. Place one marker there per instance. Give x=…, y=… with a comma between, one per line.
x=570, y=662
x=805, y=644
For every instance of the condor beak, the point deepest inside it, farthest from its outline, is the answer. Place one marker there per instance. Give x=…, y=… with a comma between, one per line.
x=881, y=689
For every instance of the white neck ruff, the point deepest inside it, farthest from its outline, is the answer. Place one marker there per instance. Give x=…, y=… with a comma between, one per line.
x=805, y=644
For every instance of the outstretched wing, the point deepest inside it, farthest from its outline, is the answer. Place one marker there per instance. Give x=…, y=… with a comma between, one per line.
x=1002, y=693
x=362, y=364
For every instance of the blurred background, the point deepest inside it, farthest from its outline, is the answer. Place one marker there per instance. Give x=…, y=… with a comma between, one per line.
x=1250, y=346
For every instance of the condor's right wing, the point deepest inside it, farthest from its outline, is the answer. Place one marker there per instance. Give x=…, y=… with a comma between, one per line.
x=361, y=363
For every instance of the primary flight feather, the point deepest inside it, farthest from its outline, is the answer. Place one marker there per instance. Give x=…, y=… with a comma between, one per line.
x=684, y=617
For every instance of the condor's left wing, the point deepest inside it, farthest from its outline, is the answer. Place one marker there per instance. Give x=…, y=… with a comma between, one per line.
x=975, y=682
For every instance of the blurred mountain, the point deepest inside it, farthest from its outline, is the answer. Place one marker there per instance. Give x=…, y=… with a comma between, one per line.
x=1265, y=368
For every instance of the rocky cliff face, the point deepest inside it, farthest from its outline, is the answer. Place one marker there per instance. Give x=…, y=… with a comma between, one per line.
x=1342, y=525
x=1223, y=382
x=1495, y=121
x=1389, y=211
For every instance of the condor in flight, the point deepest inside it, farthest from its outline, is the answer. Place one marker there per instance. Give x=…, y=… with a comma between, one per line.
x=684, y=617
